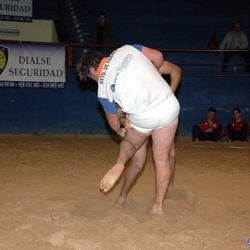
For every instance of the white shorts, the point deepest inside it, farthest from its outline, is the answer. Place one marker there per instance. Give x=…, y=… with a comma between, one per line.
x=162, y=115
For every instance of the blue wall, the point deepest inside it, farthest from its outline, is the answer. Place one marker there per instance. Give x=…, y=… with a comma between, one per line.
x=75, y=109
x=51, y=111
x=197, y=94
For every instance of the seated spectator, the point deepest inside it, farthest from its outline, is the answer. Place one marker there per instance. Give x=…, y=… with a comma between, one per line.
x=235, y=40
x=238, y=128
x=208, y=129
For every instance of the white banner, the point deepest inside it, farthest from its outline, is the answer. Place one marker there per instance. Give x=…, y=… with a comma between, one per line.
x=16, y=10
x=32, y=66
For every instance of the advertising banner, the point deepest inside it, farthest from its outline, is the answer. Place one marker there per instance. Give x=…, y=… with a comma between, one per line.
x=32, y=66
x=16, y=10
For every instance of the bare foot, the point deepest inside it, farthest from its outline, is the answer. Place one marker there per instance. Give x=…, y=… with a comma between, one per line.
x=156, y=210
x=120, y=202
x=110, y=178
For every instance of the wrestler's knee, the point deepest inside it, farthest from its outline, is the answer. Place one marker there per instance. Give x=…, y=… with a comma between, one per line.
x=172, y=154
x=138, y=164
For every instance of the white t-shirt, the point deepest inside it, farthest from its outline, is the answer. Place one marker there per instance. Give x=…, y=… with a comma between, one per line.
x=129, y=79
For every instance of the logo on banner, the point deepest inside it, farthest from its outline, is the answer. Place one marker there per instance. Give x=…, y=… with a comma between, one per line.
x=4, y=55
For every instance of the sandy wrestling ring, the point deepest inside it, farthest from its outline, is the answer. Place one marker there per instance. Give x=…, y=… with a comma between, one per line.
x=50, y=197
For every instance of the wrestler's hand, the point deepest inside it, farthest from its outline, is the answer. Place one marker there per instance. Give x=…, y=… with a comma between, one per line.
x=121, y=132
x=127, y=124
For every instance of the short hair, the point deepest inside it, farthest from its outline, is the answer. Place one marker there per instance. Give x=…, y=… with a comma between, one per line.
x=212, y=110
x=102, y=13
x=237, y=109
x=90, y=59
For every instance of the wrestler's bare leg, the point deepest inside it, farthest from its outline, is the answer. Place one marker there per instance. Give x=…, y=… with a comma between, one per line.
x=162, y=142
x=137, y=164
x=172, y=164
x=131, y=142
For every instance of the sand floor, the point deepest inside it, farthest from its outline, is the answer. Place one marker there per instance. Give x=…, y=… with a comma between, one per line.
x=50, y=197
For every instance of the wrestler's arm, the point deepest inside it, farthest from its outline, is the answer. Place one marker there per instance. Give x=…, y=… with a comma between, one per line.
x=121, y=116
x=154, y=56
x=114, y=123
x=174, y=71
x=164, y=67
x=123, y=119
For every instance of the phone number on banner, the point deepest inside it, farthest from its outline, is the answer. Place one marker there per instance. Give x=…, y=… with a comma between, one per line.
x=45, y=85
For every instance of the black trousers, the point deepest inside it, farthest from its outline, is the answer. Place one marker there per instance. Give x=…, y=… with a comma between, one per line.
x=215, y=135
x=228, y=55
x=237, y=135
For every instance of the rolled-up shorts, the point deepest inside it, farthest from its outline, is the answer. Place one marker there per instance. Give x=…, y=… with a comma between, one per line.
x=162, y=115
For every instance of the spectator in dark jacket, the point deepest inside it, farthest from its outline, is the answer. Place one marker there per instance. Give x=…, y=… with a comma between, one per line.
x=103, y=33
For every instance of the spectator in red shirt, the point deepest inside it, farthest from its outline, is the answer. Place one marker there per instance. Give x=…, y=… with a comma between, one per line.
x=238, y=128
x=208, y=129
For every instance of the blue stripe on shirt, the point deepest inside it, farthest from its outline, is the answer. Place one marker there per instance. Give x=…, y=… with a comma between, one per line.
x=109, y=107
x=138, y=46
